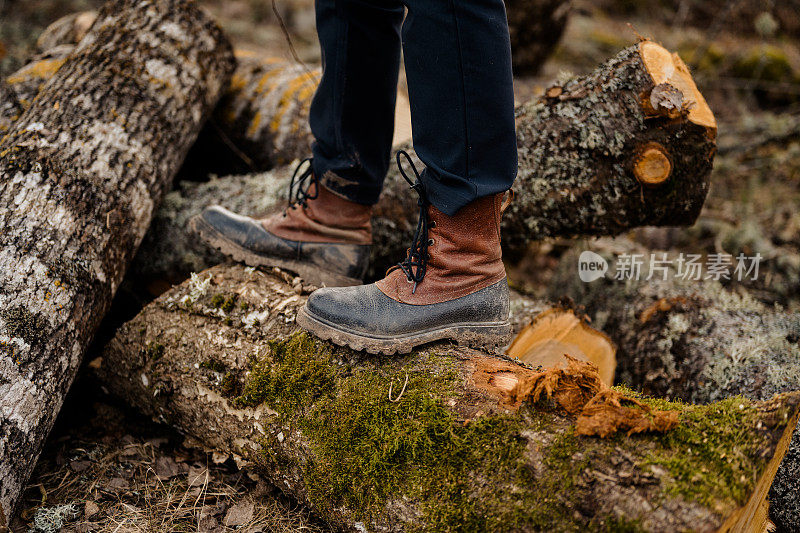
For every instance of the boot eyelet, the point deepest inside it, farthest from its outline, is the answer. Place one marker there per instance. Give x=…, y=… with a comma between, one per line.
x=432, y=224
x=431, y=242
x=409, y=280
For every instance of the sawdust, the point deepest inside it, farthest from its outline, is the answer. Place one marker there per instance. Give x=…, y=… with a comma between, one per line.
x=578, y=389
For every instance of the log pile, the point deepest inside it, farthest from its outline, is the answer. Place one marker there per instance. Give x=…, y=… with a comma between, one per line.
x=630, y=144
x=443, y=438
x=81, y=173
x=693, y=340
x=260, y=122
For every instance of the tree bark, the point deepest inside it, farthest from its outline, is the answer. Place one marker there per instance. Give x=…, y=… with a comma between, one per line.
x=444, y=438
x=261, y=121
x=694, y=340
x=535, y=27
x=9, y=108
x=81, y=173
x=622, y=147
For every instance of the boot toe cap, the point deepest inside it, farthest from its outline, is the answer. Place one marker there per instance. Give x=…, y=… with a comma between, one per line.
x=352, y=307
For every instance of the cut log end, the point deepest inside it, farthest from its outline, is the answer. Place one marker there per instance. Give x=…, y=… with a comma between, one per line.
x=652, y=166
x=668, y=68
x=556, y=332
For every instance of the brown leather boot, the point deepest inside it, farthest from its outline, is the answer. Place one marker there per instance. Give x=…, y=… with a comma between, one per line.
x=452, y=285
x=321, y=236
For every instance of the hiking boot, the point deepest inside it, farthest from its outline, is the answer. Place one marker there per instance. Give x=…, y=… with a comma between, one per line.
x=452, y=285
x=320, y=236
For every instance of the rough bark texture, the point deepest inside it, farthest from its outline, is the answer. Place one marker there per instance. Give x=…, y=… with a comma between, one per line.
x=81, y=173
x=9, y=107
x=536, y=27
x=696, y=341
x=264, y=113
x=460, y=445
x=577, y=151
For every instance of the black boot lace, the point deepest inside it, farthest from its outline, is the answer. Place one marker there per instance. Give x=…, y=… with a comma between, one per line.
x=301, y=184
x=416, y=262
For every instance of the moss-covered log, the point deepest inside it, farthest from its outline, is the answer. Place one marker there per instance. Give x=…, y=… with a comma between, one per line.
x=81, y=173
x=535, y=27
x=442, y=439
x=630, y=144
x=693, y=340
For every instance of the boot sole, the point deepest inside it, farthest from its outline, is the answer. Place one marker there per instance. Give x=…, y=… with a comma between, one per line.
x=486, y=336
x=312, y=274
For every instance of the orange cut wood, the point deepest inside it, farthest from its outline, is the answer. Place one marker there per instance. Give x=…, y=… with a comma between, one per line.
x=556, y=332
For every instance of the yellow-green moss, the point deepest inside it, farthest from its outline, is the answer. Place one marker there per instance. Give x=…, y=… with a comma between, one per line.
x=224, y=302
x=767, y=63
x=714, y=452
x=475, y=475
x=154, y=350
x=296, y=373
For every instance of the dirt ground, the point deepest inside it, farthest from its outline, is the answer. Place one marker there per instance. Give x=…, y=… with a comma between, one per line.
x=107, y=469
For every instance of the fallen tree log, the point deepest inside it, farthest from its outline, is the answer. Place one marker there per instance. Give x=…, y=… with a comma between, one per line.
x=535, y=27
x=9, y=108
x=81, y=173
x=630, y=144
x=261, y=121
x=693, y=340
x=444, y=438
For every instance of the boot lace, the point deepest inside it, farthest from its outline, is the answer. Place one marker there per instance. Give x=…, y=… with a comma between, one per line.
x=416, y=261
x=300, y=185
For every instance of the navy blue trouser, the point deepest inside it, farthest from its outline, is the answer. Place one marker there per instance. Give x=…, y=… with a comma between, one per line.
x=458, y=65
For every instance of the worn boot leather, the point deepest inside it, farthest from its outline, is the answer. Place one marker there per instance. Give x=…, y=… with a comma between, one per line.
x=320, y=236
x=452, y=285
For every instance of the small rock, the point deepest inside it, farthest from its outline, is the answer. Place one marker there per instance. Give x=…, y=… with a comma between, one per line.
x=117, y=483
x=240, y=514
x=166, y=468
x=208, y=524
x=198, y=476
x=79, y=466
x=90, y=509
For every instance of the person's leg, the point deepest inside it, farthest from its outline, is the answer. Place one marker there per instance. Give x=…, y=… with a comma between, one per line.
x=325, y=233
x=458, y=65
x=352, y=114
x=452, y=284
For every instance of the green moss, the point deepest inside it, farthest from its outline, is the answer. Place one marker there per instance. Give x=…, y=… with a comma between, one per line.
x=224, y=302
x=713, y=453
x=153, y=351
x=227, y=386
x=213, y=364
x=768, y=63
x=297, y=373
x=474, y=475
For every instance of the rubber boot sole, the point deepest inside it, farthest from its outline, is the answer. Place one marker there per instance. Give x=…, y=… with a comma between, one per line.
x=310, y=273
x=487, y=336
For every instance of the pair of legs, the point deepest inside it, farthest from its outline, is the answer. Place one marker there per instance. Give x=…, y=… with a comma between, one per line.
x=458, y=66
x=452, y=282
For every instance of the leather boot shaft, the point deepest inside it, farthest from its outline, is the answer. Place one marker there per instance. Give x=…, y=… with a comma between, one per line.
x=326, y=218
x=464, y=255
